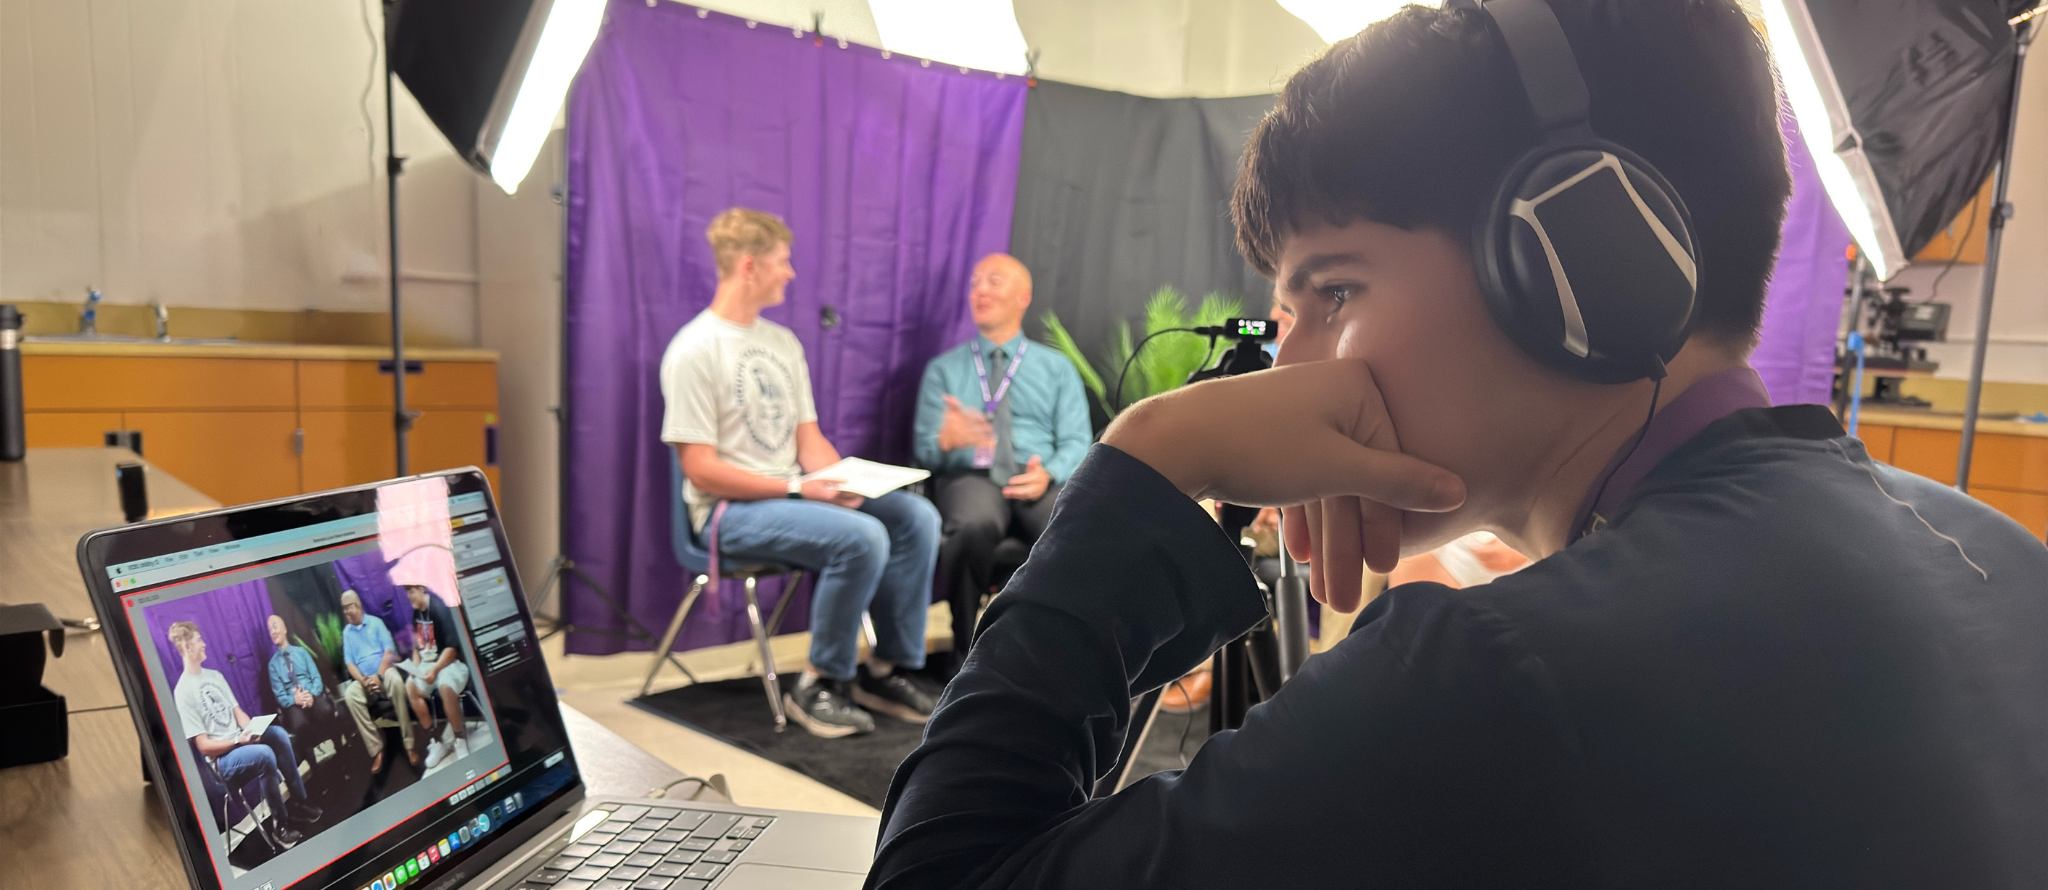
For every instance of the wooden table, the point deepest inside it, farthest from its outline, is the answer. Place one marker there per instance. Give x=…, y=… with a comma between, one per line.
x=88, y=820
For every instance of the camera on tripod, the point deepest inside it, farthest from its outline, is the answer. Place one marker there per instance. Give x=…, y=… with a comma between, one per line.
x=1246, y=354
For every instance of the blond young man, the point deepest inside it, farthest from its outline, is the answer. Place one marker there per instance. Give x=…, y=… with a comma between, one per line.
x=740, y=416
x=214, y=720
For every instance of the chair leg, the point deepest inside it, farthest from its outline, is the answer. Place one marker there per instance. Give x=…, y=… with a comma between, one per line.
x=262, y=825
x=768, y=683
x=781, y=606
x=867, y=629
x=788, y=593
x=668, y=640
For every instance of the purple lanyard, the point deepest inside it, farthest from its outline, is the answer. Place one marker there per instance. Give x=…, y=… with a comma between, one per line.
x=991, y=401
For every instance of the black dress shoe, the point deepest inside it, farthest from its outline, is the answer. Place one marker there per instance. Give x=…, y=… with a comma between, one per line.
x=286, y=835
x=304, y=814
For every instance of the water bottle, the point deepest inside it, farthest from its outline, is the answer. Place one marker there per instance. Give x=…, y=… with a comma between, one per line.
x=13, y=434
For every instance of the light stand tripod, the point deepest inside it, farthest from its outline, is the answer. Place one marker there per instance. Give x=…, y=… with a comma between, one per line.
x=561, y=568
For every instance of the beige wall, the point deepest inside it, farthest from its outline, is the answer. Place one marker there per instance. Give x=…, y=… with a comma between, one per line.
x=1146, y=47
x=519, y=252
x=221, y=154
x=1168, y=47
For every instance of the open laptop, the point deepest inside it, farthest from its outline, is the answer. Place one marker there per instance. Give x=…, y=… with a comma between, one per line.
x=277, y=656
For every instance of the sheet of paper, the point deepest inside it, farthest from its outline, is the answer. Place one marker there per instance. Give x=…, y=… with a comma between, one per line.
x=413, y=667
x=869, y=479
x=258, y=724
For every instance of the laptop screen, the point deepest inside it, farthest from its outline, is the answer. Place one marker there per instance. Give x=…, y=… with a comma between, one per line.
x=350, y=685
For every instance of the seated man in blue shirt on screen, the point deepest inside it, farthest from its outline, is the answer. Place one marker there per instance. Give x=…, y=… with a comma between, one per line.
x=740, y=415
x=1746, y=655
x=295, y=683
x=1001, y=423
x=370, y=656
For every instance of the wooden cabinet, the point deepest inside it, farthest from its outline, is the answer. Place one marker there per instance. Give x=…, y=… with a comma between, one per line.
x=2029, y=509
x=2008, y=470
x=353, y=447
x=154, y=383
x=1877, y=439
x=1930, y=453
x=234, y=457
x=65, y=429
x=258, y=422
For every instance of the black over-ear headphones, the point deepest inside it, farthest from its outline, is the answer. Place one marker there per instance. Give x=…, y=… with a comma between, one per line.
x=1586, y=254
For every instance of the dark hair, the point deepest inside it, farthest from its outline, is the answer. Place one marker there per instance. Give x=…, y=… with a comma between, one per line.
x=1410, y=123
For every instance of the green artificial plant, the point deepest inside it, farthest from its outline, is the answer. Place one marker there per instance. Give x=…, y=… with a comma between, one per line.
x=1165, y=362
x=328, y=629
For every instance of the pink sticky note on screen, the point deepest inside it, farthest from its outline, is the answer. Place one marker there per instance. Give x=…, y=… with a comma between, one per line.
x=414, y=534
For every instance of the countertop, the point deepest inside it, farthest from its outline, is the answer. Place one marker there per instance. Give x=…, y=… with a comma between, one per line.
x=309, y=351
x=1927, y=419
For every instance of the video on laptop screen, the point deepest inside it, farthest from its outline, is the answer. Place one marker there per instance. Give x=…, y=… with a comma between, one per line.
x=339, y=695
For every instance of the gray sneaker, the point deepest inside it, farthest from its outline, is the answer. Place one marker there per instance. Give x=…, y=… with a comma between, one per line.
x=826, y=709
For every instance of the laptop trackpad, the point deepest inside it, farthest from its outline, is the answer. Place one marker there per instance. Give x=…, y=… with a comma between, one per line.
x=758, y=876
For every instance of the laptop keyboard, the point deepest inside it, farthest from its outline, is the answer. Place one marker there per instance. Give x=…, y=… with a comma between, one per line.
x=650, y=848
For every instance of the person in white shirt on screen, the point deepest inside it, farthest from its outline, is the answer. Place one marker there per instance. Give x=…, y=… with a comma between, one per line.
x=218, y=727
x=437, y=654
x=740, y=416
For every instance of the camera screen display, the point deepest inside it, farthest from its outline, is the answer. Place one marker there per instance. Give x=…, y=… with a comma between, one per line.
x=1252, y=328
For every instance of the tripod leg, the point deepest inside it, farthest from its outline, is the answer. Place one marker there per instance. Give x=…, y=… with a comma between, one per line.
x=662, y=654
x=636, y=630
x=560, y=621
x=1262, y=651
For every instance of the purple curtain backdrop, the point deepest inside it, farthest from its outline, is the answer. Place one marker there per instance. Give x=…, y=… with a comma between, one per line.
x=895, y=178
x=234, y=622
x=1795, y=355
x=367, y=575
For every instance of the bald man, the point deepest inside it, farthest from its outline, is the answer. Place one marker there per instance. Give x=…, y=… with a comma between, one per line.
x=295, y=684
x=371, y=658
x=1001, y=423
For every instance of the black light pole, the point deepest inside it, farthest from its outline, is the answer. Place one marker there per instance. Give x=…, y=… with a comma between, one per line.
x=2000, y=212
x=401, y=422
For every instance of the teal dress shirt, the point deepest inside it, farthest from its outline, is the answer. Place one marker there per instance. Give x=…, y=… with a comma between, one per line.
x=1048, y=411
x=292, y=667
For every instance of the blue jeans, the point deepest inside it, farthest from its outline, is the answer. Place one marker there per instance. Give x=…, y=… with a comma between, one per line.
x=877, y=559
x=261, y=761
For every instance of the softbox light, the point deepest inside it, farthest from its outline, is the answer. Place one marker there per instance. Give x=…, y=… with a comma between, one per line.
x=1903, y=104
x=491, y=74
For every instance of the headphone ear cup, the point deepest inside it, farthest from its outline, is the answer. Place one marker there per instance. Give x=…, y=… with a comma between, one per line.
x=1627, y=303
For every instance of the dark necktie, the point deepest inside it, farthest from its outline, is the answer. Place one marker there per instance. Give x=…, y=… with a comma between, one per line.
x=1005, y=463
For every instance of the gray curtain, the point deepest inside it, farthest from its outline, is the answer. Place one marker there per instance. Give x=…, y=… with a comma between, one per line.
x=1119, y=195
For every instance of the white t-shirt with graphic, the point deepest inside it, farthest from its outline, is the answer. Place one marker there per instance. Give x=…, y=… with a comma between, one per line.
x=743, y=388
x=206, y=705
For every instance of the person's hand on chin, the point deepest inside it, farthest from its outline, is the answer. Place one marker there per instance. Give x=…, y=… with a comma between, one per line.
x=1313, y=438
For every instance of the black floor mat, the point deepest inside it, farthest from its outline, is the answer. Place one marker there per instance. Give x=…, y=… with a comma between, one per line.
x=735, y=711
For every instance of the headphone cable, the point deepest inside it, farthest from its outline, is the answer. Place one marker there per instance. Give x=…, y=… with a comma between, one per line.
x=1642, y=432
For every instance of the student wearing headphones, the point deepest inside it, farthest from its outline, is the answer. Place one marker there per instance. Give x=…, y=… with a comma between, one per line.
x=1526, y=247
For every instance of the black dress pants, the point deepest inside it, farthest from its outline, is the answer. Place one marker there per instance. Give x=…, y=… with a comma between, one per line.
x=975, y=517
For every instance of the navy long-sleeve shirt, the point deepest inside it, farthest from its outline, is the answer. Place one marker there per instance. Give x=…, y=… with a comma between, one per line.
x=1778, y=664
